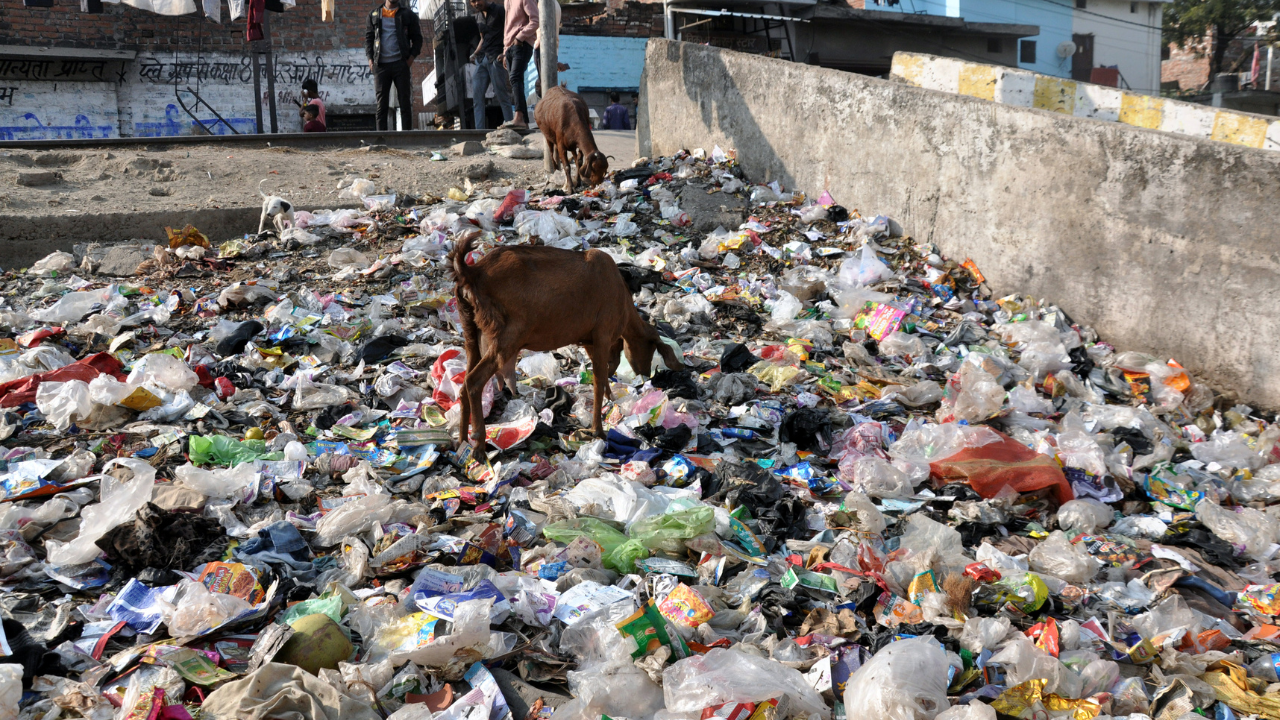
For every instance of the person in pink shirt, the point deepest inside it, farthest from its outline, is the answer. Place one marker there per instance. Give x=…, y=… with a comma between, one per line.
x=311, y=96
x=518, y=36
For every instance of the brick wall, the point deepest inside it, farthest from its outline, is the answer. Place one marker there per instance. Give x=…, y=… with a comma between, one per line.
x=617, y=19
x=1188, y=66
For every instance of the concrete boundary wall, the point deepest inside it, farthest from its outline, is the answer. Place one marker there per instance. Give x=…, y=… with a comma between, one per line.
x=1162, y=242
x=1012, y=86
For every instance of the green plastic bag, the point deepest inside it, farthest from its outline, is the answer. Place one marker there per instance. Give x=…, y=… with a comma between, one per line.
x=224, y=450
x=668, y=531
x=623, y=558
x=333, y=606
x=566, y=531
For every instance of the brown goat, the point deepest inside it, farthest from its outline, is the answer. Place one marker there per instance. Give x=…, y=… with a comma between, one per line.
x=541, y=299
x=566, y=126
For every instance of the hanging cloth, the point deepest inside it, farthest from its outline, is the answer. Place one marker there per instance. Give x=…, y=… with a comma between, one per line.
x=257, y=9
x=93, y=7
x=213, y=10
x=37, y=3
x=326, y=10
x=237, y=9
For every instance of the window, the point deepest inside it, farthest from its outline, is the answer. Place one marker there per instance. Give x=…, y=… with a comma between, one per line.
x=1133, y=7
x=994, y=46
x=1082, y=4
x=1165, y=52
x=1027, y=52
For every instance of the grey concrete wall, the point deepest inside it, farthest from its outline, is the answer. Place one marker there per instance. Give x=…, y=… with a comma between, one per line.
x=1163, y=243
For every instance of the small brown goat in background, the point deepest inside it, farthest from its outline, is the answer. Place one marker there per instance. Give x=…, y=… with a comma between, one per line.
x=541, y=299
x=566, y=127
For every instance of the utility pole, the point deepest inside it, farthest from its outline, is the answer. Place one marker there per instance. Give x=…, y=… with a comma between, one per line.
x=548, y=75
x=271, y=71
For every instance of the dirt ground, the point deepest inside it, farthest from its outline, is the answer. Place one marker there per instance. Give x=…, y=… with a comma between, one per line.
x=175, y=177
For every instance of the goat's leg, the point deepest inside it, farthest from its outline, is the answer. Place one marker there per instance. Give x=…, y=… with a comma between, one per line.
x=600, y=381
x=568, y=177
x=474, y=351
x=473, y=387
x=507, y=375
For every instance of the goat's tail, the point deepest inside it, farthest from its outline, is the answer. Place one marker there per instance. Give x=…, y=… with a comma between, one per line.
x=461, y=272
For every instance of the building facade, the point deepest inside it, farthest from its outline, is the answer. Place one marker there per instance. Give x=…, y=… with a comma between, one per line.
x=127, y=72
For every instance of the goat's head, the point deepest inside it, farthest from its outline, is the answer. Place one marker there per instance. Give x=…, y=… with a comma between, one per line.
x=596, y=167
x=641, y=342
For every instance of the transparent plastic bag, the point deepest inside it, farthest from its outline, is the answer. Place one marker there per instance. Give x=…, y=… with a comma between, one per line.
x=1056, y=556
x=352, y=518
x=198, y=610
x=1077, y=448
x=347, y=257
x=906, y=680
x=898, y=343
x=726, y=675
x=313, y=396
x=1248, y=527
x=975, y=710
x=1169, y=615
x=75, y=305
x=64, y=402
x=868, y=517
x=1129, y=697
x=875, y=477
x=1229, y=449
x=54, y=263
x=1085, y=515
x=977, y=396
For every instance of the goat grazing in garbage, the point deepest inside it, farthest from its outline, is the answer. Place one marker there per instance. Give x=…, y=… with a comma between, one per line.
x=566, y=128
x=540, y=299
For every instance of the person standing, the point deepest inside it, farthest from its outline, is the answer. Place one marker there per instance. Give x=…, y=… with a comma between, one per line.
x=519, y=33
x=491, y=21
x=392, y=41
x=615, y=116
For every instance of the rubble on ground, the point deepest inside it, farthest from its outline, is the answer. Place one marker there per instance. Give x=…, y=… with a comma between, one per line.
x=232, y=485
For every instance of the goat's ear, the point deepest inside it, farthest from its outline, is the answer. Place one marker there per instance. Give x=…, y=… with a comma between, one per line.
x=668, y=355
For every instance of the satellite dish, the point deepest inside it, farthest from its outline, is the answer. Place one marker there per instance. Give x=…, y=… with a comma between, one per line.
x=1066, y=49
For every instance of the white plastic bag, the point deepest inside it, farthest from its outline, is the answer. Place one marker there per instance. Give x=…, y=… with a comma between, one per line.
x=64, y=402
x=726, y=675
x=785, y=307
x=10, y=691
x=52, y=264
x=975, y=710
x=219, y=482
x=979, y=396
x=120, y=501
x=352, y=518
x=906, y=680
x=1056, y=556
x=866, y=269
x=541, y=365
x=1085, y=515
x=984, y=633
x=164, y=370
x=875, y=477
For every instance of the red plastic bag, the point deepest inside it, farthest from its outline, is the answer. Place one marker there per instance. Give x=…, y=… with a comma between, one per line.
x=989, y=468
x=23, y=390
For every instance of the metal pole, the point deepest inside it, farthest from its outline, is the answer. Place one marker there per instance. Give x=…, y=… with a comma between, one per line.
x=1271, y=53
x=257, y=85
x=271, y=71
x=669, y=22
x=550, y=38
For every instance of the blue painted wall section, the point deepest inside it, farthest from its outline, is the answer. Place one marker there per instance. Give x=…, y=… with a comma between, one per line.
x=597, y=62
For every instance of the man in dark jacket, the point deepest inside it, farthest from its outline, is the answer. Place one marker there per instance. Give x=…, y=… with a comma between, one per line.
x=391, y=42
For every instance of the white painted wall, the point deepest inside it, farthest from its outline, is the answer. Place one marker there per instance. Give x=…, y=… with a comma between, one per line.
x=1126, y=39
x=139, y=100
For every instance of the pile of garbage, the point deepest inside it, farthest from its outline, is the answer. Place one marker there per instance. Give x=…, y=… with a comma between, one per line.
x=232, y=486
